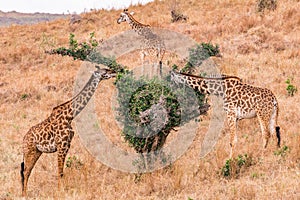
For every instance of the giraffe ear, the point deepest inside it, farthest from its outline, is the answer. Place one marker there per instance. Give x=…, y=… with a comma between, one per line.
x=132, y=13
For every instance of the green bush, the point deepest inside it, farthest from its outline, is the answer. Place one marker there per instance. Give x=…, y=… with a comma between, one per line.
x=198, y=54
x=136, y=97
x=233, y=167
x=291, y=89
x=77, y=50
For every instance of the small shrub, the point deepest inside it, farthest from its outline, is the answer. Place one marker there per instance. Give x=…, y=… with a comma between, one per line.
x=226, y=169
x=74, y=162
x=24, y=96
x=234, y=167
x=291, y=89
x=266, y=4
x=256, y=175
x=282, y=152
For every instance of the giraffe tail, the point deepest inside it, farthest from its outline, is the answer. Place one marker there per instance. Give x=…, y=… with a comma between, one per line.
x=22, y=173
x=274, y=122
x=278, y=135
x=160, y=68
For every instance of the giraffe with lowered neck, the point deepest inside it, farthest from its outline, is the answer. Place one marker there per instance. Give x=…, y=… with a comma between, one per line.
x=153, y=45
x=241, y=101
x=55, y=133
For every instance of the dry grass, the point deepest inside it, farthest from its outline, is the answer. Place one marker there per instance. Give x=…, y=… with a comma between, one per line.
x=263, y=50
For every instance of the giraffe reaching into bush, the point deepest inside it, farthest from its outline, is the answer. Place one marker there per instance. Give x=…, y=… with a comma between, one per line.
x=241, y=101
x=55, y=133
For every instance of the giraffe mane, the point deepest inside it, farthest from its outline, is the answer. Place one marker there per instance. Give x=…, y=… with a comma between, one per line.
x=213, y=76
x=62, y=104
x=133, y=19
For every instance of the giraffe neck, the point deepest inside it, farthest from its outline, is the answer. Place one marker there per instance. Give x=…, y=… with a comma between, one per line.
x=73, y=107
x=215, y=86
x=137, y=26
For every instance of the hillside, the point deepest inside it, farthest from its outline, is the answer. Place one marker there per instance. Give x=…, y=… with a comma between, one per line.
x=262, y=49
x=8, y=18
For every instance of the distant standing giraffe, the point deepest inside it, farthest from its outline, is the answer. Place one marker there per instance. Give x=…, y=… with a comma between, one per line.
x=241, y=101
x=153, y=45
x=55, y=133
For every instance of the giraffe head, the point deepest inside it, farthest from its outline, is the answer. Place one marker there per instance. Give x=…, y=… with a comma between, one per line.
x=104, y=73
x=176, y=78
x=124, y=16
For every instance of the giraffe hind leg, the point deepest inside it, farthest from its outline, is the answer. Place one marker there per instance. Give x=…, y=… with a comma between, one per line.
x=264, y=130
x=30, y=158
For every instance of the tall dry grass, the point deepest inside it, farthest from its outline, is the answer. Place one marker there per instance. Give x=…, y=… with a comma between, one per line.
x=261, y=49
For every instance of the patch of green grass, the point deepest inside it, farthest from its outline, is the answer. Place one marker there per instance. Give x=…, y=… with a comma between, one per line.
x=256, y=175
x=282, y=151
x=74, y=162
x=290, y=88
x=234, y=167
x=24, y=96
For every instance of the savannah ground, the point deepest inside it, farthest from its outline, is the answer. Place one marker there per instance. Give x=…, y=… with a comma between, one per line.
x=262, y=49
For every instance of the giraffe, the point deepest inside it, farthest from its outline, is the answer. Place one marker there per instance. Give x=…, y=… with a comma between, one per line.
x=241, y=101
x=55, y=133
x=153, y=45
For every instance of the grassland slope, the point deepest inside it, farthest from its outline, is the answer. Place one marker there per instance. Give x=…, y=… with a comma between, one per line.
x=262, y=49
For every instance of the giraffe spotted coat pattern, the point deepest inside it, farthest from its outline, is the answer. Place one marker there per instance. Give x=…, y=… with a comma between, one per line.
x=55, y=133
x=241, y=101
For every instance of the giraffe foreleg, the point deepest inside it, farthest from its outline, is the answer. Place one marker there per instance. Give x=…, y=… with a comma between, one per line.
x=62, y=152
x=143, y=55
x=61, y=156
x=232, y=122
